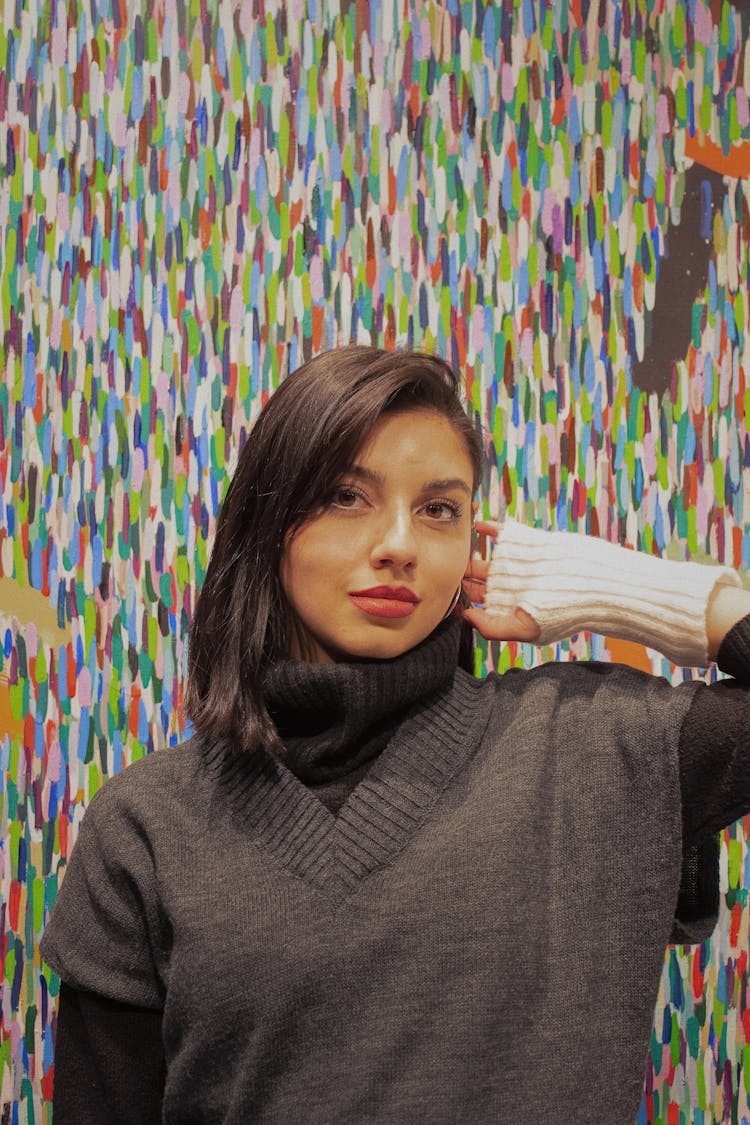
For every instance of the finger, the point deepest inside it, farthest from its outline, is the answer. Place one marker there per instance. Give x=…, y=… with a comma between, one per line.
x=477, y=570
x=492, y=626
x=487, y=527
x=475, y=590
x=516, y=626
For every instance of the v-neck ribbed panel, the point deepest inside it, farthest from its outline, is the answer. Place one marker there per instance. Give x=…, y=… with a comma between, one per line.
x=335, y=852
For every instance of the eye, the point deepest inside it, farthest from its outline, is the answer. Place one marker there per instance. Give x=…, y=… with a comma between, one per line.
x=443, y=511
x=347, y=496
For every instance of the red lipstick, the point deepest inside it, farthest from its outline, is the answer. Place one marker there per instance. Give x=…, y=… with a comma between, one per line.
x=386, y=601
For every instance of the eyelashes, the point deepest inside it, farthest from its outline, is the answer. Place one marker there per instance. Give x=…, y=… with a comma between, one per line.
x=440, y=509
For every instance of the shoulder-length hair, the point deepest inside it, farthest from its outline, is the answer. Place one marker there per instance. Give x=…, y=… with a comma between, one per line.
x=304, y=441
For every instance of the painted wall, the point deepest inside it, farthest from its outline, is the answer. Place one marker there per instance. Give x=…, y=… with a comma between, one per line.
x=194, y=197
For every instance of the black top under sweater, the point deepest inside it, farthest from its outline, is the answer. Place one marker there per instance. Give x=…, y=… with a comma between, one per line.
x=456, y=911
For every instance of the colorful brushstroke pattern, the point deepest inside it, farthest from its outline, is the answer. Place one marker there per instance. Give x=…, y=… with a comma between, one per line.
x=196, y=196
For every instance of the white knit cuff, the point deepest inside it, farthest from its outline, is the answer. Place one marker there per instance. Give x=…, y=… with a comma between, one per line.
x=569, y=583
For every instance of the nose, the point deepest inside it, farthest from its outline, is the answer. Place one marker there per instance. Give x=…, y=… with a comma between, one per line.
x=395, y=542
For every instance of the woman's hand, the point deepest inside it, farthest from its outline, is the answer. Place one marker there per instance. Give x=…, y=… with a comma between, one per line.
x=515, y=626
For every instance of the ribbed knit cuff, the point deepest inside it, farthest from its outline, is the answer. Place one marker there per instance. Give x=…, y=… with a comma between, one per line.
x=569, y=583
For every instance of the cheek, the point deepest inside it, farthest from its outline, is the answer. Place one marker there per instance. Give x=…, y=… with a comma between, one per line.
x=309, y=560
x=453, y=559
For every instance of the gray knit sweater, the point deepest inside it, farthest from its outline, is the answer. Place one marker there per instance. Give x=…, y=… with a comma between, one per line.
x=476, y=936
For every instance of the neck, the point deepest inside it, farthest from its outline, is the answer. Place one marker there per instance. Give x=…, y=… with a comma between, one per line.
x=334, y=717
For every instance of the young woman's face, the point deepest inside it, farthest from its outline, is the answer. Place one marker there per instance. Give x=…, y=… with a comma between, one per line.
x=372, y=574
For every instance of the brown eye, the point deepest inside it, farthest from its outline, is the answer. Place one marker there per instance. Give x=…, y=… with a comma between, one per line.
x=443, y=511
x=346, y=496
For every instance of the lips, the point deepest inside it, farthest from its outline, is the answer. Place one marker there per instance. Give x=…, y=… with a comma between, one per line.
x=386, y=601
x=389, y=593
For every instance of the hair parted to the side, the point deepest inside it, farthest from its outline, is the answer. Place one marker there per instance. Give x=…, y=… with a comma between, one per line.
x=305, y=439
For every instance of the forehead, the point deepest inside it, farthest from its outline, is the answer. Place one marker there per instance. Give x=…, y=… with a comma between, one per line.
x=418, y=438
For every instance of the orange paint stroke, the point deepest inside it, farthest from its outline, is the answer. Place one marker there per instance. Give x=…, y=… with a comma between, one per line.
x=295, y=213
x=317, y=327
x=204, y=228
x=8, y=724
x=415, y=95
x=735, y=163
x=628, y=652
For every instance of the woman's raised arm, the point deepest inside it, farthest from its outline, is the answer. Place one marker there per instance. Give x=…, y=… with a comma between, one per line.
x=543, y=586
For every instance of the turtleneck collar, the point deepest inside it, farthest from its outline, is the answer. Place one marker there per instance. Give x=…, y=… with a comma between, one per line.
x=334, y=718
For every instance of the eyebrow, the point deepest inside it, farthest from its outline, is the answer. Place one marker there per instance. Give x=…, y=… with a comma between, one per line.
x=441, y=485
x=366, y=474
x=446, y=484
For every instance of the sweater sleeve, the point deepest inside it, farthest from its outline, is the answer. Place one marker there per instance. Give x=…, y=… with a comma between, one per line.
x=108, y=933
x=714, y=748
x=714, y=781
x=109, y=1062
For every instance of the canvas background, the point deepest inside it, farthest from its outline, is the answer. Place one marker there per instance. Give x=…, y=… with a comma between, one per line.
x=194, y=197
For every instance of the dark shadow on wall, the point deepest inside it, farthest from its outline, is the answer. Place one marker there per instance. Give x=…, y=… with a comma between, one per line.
x=683, y=271
x=682, y=276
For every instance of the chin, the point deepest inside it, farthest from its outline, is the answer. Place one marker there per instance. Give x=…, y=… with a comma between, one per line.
x=386, y=646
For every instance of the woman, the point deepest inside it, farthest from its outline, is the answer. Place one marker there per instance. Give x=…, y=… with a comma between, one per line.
x=373, y=888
